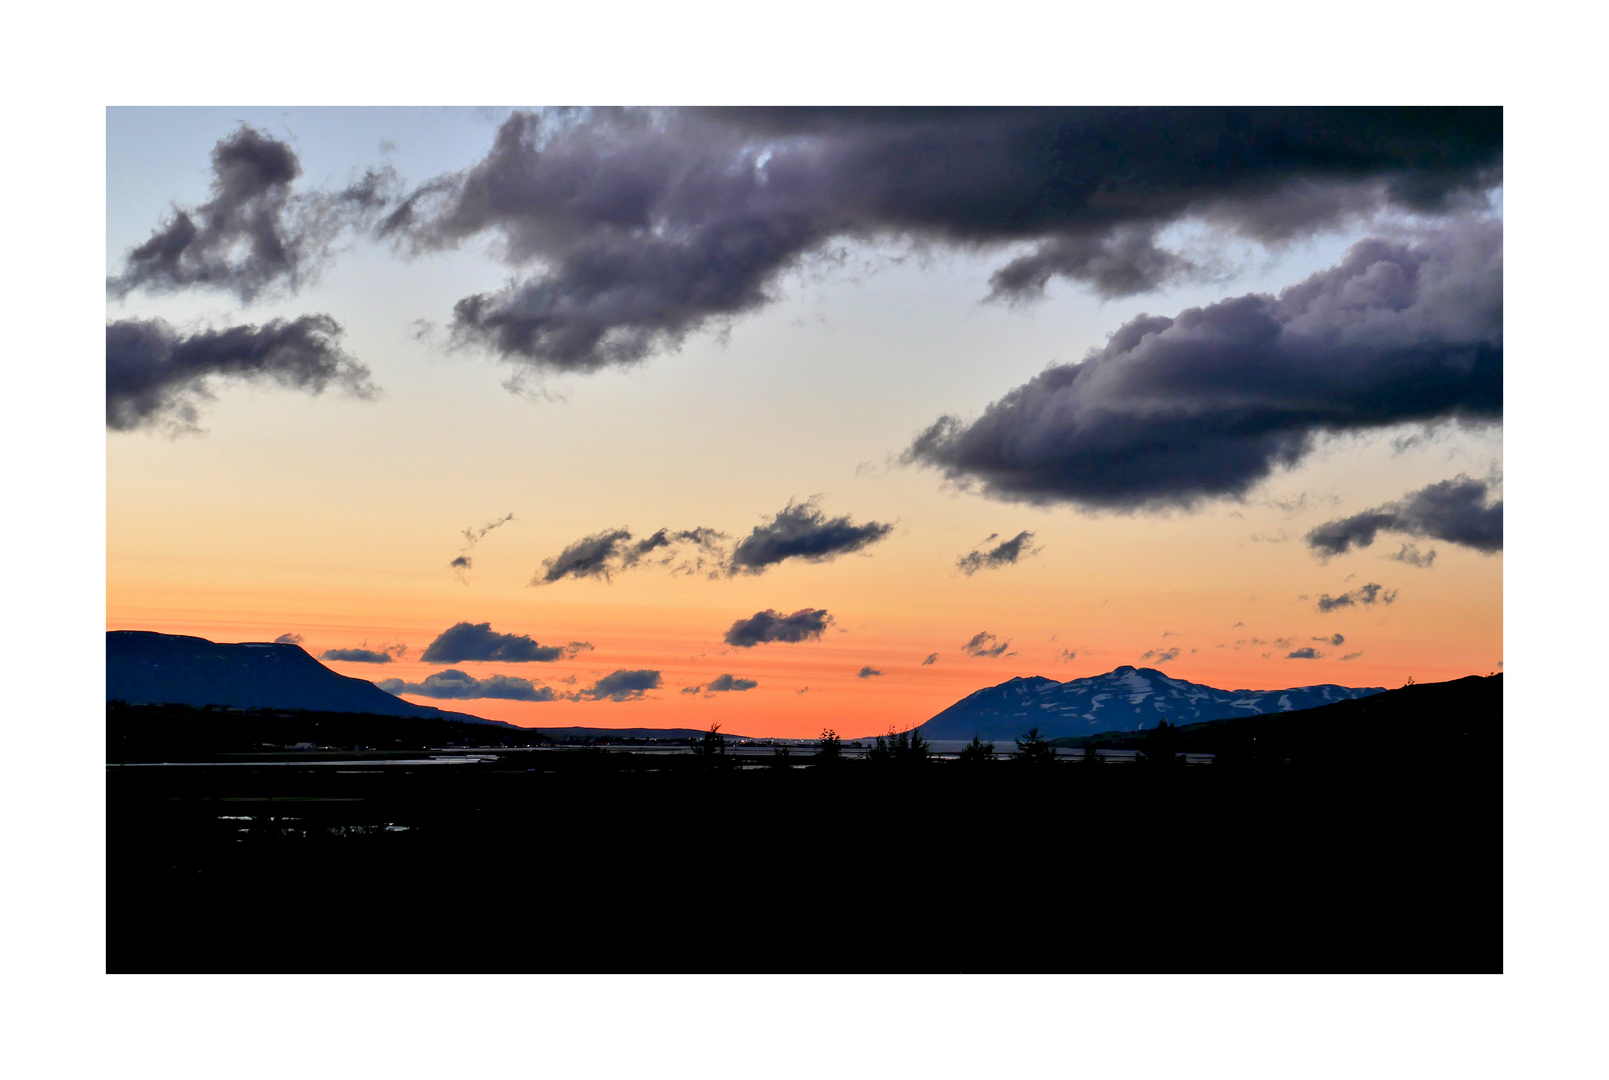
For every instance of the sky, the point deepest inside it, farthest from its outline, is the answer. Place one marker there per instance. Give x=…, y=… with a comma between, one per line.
x=793, y=419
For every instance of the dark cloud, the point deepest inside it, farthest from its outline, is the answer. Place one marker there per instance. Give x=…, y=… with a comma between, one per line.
x=385, y=654
x=1333, y=639
x=1351, y=656
x=1306, y=652
x=606, y=553
x=648, y=226
x=254, y=233
x=803, y=625
x=1410, y=554
x=1362, y=596
x=984, y=643
x=621, y=685
x=1160, y=656
x=1067, y=656
x=867, y=672
x=802, y=531
x=1003, y=554
x=453, y=683
x=288, y=639
x=694, y=689
x=468, y=642
x=158, y=377
x=932, y=658
x=474, y=536
x=724, y=683
x=590, y=556
x=1459, y=511
x=1207, y=404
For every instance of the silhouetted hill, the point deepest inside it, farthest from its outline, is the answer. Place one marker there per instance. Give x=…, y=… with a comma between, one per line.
x=1419, y=724
x=1124, y=699
x=146, y=668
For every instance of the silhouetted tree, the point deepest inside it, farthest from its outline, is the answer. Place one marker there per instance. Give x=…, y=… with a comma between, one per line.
x=901, y=748
x=779, y=758
x=1161, y=747
x=1091, y=758
x=711, y=749
x=1034, y=749
x=977, y=751
x=830, y=749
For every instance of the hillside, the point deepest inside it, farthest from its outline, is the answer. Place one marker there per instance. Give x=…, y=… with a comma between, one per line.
x=1461, y=719
x=1124, y=699
x=145, y=668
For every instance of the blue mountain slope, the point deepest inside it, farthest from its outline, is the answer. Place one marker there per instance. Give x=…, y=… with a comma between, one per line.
x=1125, y=699
x=145, y=668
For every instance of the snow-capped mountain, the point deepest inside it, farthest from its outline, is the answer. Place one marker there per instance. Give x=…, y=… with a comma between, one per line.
x=1125, y=699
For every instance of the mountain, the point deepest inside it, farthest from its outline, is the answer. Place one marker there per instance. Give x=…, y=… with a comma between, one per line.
x=145, y=668
x=1124, y=699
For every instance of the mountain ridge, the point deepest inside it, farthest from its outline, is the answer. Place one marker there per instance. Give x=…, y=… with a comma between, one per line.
x=144, y=667
x=1127, y=698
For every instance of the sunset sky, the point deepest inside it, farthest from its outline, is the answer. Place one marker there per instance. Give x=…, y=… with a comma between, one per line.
x=921, y=400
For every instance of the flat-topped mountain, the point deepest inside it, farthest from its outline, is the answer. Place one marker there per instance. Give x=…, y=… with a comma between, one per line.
x=146, y=668
x=1124, y=699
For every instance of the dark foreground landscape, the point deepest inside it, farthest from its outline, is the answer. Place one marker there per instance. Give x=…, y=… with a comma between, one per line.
x=1361, y=836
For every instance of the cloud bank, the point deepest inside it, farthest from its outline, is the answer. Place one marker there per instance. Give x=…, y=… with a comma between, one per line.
x=467, y=642
x=722, y=684
x=157, y=377
x=254, y=234
x=802, y=531
x=606, y=553
x=1458, y=511
x=1003, y=554
x=363, y=655
x=806, y=624
x=1208, y=403
x=455, y=684
x=645, y=226
x=984, y=643
x=620, y=685
x=1362, y=596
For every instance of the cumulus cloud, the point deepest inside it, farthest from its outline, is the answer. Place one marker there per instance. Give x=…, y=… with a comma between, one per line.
x=362, y=654
x=288, y=639
x=1206, y=404
x=1160, y=656
x=1362, y=596
x=1306, y=652
x=255, y=233
x=867, y=672
x=984, y=643
x=932, y=658
x=621, y=685
x=453, y=683
x=1003, y=554
x=722, y=684
x=1333, y=639
x=158, y=377
x=802, y=531
x=469, y=642
x=610, y=551
x=645, y=226
x=806, y=624
x=1462, y=510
